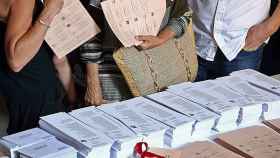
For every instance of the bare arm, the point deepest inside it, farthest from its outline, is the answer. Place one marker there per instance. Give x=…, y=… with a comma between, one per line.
x=261, y=32
x=23, y=39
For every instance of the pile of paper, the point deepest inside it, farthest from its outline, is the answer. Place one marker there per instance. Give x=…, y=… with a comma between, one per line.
x=255, y=141
x=205, y=119
x=203, y=149
x=215, y=97
x=125, y=139
x=180, y=125
x=274, y=124
x=130, y=18
x=89, y=142
x=48, y=149
x=150, y=131
x=23, y=139
x=268, y=87
x=259, y=100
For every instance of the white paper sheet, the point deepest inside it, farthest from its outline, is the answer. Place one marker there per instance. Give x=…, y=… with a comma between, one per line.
x=136, y=121
x=22, y=139
x=125, y=139
x=180, y=125
x=77, y=134
x=48, y=149
x=206, y=119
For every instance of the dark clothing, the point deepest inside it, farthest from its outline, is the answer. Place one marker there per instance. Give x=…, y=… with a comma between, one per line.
x=222, y=67
x=32, y=92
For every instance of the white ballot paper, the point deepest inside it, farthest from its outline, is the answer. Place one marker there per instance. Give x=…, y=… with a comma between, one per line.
x=153, y=132
x=205, y=119
x=180, y=125
x=72, y=27
x=258, y=79
x=89, y=143
x=129, y=18
x=265, y=83
x=125, y=139
x=262, y=104
x=216, y=97
x=23, y=139
x=52, y=148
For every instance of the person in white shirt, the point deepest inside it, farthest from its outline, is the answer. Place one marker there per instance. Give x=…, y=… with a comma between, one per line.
x=230, y=34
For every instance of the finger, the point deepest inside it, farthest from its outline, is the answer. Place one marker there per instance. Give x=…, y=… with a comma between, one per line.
x=143, y=38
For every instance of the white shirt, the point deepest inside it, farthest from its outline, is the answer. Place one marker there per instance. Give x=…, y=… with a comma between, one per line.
x=225, y=24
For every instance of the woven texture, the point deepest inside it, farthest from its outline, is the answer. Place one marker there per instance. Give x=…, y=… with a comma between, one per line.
x=150, y=71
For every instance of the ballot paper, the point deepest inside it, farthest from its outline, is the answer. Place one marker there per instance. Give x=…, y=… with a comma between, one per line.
x=129, y=18
x=89, y=143
x=180, y=125
x=255, y=141
x=22, y=139
x=48, y=149
x=205, y=119
x=125, y=139
x=216, y=97
x=72, y=27
x=265, y=83
x=203, y=149
x=262, y=104
x=259, y=79
x=150, y=131
x=273, y=124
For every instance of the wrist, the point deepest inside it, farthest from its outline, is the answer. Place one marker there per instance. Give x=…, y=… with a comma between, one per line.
x=271, y=26
x=47, y=16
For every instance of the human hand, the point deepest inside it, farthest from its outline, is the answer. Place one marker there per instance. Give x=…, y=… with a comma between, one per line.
x=256, y=36
x=149, y=42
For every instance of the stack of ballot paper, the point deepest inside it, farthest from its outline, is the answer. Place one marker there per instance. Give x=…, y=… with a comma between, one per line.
x=48, y=149
x=274, y=124
x=203, y=149
x=23, y=139
x=216, y=97
x=205, y=119
x=150, y=130
x=256, y=141
x=180, y=125
x=124, y=138
x=258, y=79
x=89, y=143
x=130, y=18
x=268, y=86
x=260, y=103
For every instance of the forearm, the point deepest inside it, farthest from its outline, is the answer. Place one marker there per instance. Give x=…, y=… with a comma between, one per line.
x=166, y=34
x=273, y=22
x=94, y=93
x=21, y=49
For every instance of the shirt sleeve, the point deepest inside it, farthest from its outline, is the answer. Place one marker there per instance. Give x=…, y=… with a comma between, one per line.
x=178, y=25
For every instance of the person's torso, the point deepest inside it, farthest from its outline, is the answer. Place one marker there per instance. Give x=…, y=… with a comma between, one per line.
x=224, y=24
x=37, y=75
